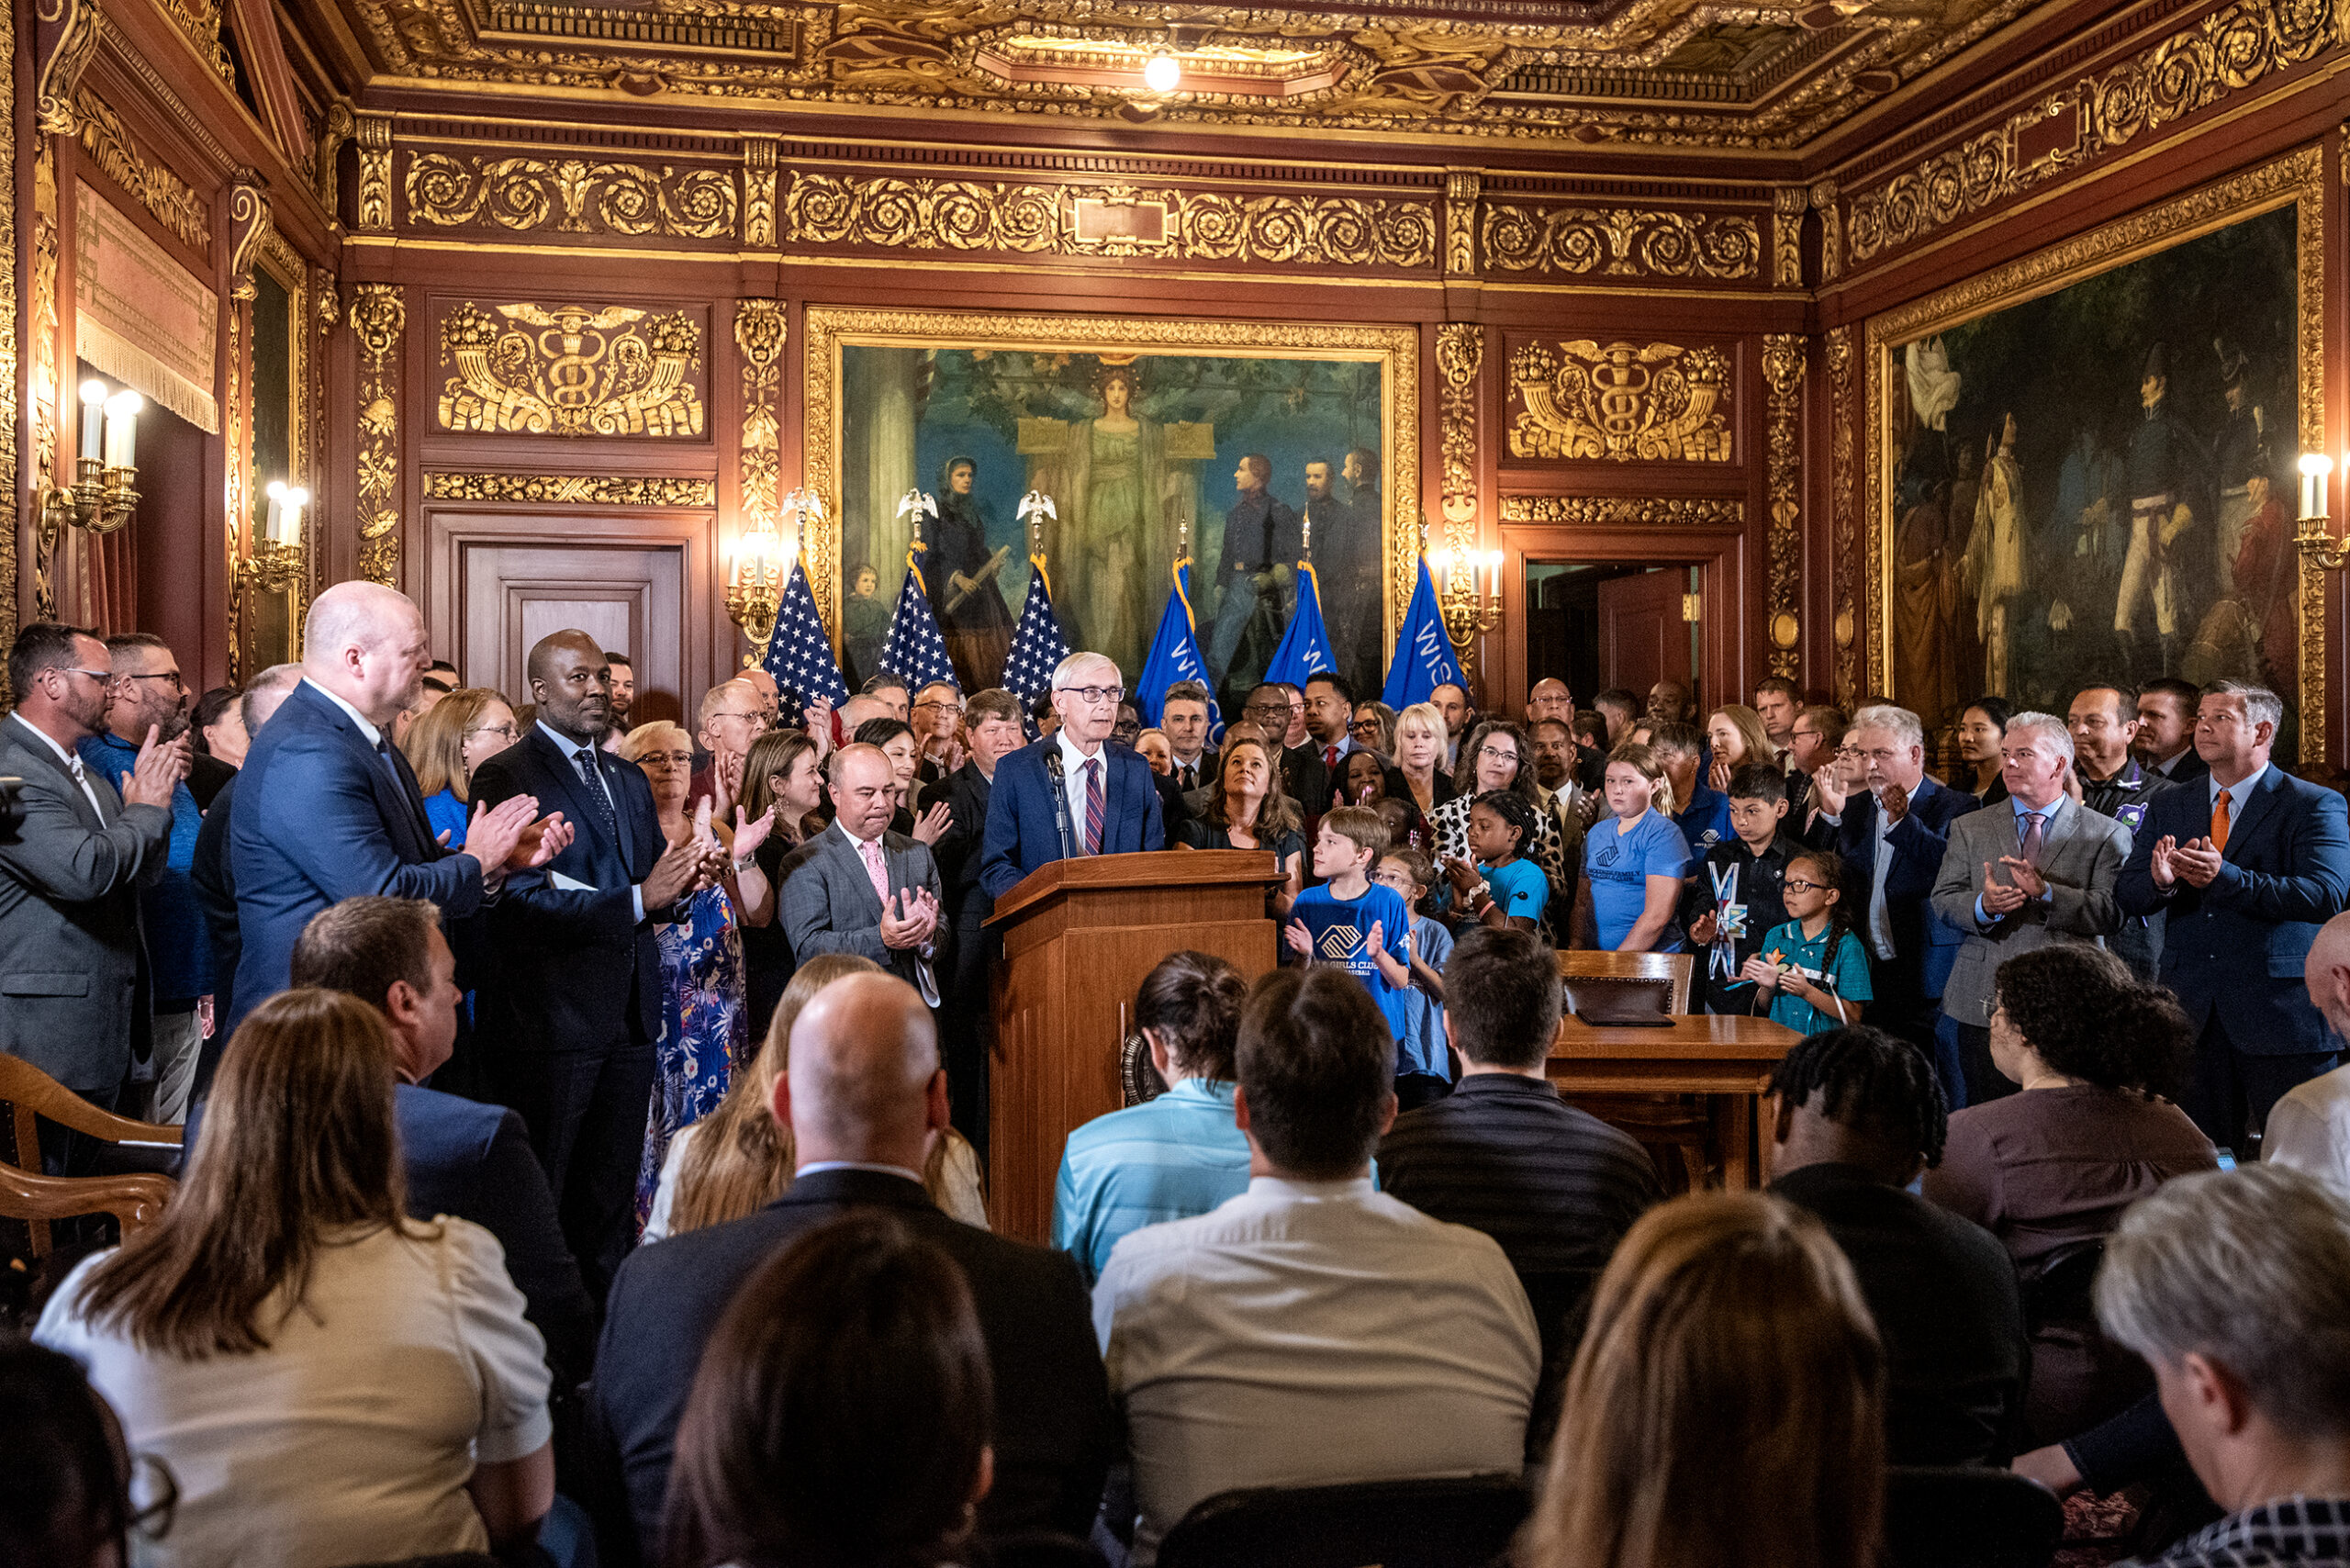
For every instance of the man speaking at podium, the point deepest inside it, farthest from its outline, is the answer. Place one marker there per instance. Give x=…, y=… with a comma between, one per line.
x=1073, y=793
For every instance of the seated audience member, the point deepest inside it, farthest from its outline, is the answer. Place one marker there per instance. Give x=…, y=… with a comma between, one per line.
x=2048, y=1171
x=1634, y=861
x=2310, y=1128
x=864, y=1095
x=1734, y=898
x=842, y=1410
x=328, y=1380
x=745, y=1158
x=1177, y=1155
x=1312, y=1329
x=1349, y=921
x=2236, y=1288
x=1812, y=972
x=66, y=1505
x=464, y=730
x=458, y=1157
x=1556, y=1186
x=1727, y=1408
x=1856, y=1114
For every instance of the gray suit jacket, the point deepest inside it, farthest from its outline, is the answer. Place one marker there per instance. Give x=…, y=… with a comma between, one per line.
x=829, y=905
x=2082, y=861
x=73, y=979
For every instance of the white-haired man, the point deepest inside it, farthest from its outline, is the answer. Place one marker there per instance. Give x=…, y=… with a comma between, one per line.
x=2037, y=867
x=1073, y=793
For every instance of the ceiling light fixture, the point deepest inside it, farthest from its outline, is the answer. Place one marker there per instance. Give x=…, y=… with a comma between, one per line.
x=1160, y=74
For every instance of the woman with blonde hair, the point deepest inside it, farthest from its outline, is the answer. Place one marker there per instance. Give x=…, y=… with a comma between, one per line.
x=1634, y=860
x=1735, y=732
x=739, y=1158
x=456, y=736
x=1420, y=738
x=327, y=1380
x=1727, y=1405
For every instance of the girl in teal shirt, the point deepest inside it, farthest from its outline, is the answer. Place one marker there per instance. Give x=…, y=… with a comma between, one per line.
x=1812, y=972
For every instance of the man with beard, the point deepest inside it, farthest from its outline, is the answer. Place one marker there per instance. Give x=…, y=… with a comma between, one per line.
x=573, y=1004
x=148, y=697
x=70, y=875
x=961, y=575
x=624, y=699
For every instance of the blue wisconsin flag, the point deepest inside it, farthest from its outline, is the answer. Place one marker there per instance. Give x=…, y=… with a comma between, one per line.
x=1175, y=654
x=1037, y=647
x=1424, y=658
x=915, y=651
x=1306, y=648
x=799, y=654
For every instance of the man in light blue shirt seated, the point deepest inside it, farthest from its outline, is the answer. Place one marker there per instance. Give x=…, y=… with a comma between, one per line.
x=1180, y=1154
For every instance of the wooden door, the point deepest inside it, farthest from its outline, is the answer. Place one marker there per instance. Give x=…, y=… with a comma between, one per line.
x=628, y=597
x=1643, y=639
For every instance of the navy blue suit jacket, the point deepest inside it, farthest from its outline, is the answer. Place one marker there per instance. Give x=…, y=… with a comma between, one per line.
x=1024, y=829
x=318, y=818
x=1917, y=842
x=571, y=962
x=2236, y=949
x=474, y=1161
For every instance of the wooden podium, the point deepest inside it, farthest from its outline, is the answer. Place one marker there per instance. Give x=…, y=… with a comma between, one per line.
x=1078, y=936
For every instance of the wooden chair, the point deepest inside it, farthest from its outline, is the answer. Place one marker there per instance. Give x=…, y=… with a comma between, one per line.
x=1459, y=1522
x=1674, y=1129
x=31, y=1096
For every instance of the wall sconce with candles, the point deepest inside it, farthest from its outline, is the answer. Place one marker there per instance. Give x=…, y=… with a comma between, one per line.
x=2315, y=535
x=763, y=566
x=1470, y=590
x=276, y=561
x=102, y=496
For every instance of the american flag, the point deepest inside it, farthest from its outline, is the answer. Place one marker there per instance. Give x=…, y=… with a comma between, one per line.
x=799, y=656
x=1037, y=648
x=915, y=650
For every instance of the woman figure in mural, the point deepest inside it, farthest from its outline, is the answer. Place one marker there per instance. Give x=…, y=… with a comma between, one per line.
x=962, y=580
x=1995, y=555
x=1113, y=508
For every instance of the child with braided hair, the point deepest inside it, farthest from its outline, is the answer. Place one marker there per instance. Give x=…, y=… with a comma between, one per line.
x=1502, y=888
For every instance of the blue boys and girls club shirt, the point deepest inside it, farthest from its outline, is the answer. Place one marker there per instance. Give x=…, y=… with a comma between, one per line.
x=1620, y=860
x=1338, y=929
x=1832, y=958
x=1705, y=820
x=179, y=942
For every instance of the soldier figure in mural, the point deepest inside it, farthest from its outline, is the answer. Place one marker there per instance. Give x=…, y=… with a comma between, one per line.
x=1343, y=546
x=961, y=575
x=2170, y=531
x=1254, y=574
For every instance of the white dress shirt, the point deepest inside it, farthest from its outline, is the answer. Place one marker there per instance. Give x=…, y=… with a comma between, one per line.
x=1307, y=1333
x=73, y=761
x=2239, y=793
x=571, y=750
x=1881, y=918
x=374, y=734
x=1073, y=763
x=2309, y=1129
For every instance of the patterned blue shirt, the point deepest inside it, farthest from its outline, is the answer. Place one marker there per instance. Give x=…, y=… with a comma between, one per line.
x=179, y=942
x=1166, y=1158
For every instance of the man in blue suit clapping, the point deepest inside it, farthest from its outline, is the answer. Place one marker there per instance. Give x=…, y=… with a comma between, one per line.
x=2247, y=863
x=1074, y=792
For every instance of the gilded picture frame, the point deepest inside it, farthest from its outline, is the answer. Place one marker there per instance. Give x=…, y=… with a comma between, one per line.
x=2295, y=181
x=829, y=331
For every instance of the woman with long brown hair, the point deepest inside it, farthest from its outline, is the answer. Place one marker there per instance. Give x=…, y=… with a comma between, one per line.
x=1727, y=1405
x=782, y=773
x=328, y=1380
x=739, y=1158
x=1248, y=809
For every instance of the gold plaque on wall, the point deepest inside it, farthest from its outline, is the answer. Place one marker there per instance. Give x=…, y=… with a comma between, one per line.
x=571, y=370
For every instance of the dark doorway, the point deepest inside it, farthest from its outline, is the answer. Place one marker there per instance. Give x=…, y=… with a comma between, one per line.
x=1594, y=624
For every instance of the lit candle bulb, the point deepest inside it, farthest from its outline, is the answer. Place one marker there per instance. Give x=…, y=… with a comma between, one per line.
x=94, y=398
x=296, y=501
x=122, y=428
x=274, y=530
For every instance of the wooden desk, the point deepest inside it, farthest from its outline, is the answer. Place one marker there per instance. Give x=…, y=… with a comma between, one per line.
x=1727, y=1059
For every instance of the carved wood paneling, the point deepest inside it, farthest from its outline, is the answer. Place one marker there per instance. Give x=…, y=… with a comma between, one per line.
x=1783, y=367
x=1626, y=402
x=571, y=370
x=1633, y=511
x=570, y=489
x=378, y=318
x=571, y=195
x=1621, y=243
x=1844, y=572
x=169, y=199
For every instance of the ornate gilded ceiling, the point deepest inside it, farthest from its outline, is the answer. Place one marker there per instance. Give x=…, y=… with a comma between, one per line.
x=1661, y=73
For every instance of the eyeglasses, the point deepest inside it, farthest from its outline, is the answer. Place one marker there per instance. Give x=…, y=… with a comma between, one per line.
x=1798, y=884
x=171, y=675
x=508, y=731
x=100, y=676
x=1362, y=726
x=1095, y=693
x=738, y=715
x=667, y=759
x=950, y=707
x=1499, y=753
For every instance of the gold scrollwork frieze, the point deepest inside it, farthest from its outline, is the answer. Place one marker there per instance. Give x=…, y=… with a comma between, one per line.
x=1623, y=401
x=1782, y=366
x=2225, y=52
x=759, y=328
x=1621, y=242
x=146, y=179
x=1620, y=512
x=1189, y=225
x=571, y=489
x=572, y=195
x=378, y=317
x=571, y=370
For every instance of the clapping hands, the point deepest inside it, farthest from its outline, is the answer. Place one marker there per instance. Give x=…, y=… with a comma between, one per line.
x=909, y=919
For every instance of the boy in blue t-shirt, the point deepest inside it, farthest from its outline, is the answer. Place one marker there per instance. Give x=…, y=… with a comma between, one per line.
x=1812, y=970
x=1365, y=929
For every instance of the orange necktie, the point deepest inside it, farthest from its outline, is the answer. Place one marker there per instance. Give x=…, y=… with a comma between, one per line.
x=2220, y=821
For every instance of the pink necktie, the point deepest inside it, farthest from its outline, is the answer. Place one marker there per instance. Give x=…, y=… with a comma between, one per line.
x=879, y=872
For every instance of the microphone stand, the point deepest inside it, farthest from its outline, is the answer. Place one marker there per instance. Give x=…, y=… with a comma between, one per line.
x=1060, y=800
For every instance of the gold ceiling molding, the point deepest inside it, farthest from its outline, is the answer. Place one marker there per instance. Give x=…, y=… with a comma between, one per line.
x=1621, y=511
x=571, y=489
x=378, y=317
x=969, y=215
x=574, y=194
x=1844, y=574
x=1625, y=401
x=1783, y=367
x=1621, y=243
x=1459, y=352
x=570, y=370
x=171, y=200
x=2231, y=50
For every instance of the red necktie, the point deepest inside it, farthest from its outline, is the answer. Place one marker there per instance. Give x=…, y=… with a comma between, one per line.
x=1330, y=756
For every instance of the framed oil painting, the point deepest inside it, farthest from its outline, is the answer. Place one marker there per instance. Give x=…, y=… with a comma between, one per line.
x=1246, y=439
x=2083, y=463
